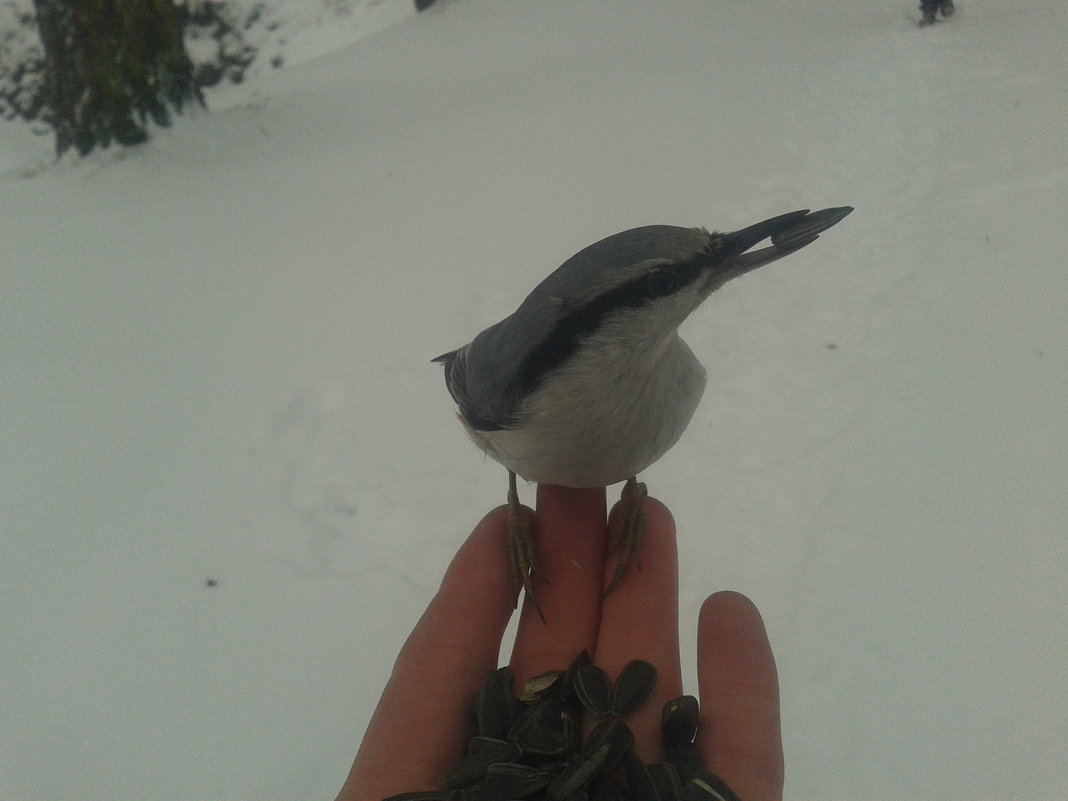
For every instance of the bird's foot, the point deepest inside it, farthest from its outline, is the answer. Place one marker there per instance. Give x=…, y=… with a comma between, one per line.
x=628, y=530
x=521, y=559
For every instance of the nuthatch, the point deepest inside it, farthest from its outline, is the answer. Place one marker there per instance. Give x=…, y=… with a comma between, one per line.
x=587, y=383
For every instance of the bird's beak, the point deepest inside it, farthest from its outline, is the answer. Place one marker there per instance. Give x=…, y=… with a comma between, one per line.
x=788, y=232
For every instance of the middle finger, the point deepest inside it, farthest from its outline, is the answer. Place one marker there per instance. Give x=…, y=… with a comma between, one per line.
x=570, y=535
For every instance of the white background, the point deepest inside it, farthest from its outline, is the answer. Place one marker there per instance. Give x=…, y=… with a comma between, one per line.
x=215, y=364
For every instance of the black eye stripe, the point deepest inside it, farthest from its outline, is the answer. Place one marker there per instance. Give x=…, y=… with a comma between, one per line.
x=567, y=334
x=661, y=282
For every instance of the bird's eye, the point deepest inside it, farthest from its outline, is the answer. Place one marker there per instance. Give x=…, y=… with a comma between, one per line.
x=661, y=282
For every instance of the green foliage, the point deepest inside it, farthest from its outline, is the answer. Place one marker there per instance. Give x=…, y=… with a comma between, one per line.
x=111, y=66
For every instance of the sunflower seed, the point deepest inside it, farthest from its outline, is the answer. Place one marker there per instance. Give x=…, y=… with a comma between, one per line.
x=473, y=767
x=513, y=769
x=495, y=707
x=547, y=714
x=567, y=689
x=639, y=781
x=667, y=780
x=604, y=789
x=572, y=734
x=606, y=746
x=539, y=730
x=708, y=787
x=809, y=228
x=679, y=719
x=506, y=786
x=544, y=685
x=678, y=726
x=635, y=682
x=531, y=748
x=591, y=689
x=686, y=759
x=480, y=743
x=419, y=795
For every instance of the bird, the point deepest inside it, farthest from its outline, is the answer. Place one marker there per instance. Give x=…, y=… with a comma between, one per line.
x=588, y=382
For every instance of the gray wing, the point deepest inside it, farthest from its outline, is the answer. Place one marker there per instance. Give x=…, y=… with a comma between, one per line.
x=455, y=364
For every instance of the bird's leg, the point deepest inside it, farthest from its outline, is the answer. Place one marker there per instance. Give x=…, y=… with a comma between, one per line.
x=521, y=546
x=629, y=528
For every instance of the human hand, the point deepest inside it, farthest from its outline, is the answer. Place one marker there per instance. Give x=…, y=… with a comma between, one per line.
x=420, y=727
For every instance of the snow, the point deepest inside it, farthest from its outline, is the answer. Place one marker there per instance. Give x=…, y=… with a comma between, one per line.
x=216, y=350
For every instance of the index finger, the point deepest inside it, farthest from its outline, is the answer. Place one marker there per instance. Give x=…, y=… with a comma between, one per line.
x=442, y=664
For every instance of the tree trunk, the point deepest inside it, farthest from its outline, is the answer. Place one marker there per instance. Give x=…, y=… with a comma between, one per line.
x=111, y=65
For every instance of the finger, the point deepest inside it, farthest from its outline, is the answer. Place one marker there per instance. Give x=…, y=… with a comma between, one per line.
x=739, y=733
x=640, y=620
x=570, y=532
x=442, y=664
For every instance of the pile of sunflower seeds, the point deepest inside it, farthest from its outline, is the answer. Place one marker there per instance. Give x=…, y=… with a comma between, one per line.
x=531, y=748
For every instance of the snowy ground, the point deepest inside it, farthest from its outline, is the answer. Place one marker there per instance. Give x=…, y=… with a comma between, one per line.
x=215, y=366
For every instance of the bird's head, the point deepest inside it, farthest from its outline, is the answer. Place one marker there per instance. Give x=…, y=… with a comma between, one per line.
x=623, y=296
x=633, y=289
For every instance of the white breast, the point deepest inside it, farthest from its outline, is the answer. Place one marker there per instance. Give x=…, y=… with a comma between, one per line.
x=604, y=417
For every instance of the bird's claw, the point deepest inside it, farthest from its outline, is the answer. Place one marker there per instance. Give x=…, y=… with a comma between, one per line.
x=521, y=559
x=628, y=530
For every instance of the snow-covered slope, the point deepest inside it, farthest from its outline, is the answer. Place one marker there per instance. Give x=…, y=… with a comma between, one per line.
x=215, y=366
